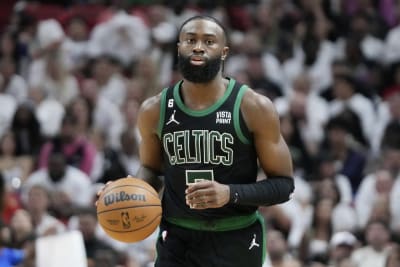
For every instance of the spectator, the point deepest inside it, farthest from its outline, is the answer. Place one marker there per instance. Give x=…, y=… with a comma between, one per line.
x=302, y=103
x=76, y=43
x=15, y=169
x=8, y=105
x=388, y=112
x=8, y=47
x=13, y=256
x=326, y=168
x=341, y=247
x=118, y=37
x=392, y=53
x=58, y=83
x=93, y=246
x=49, y=73
x=21, y=234
x=10, y=82
x=145, y=71
x=302, y=159
x=107, y=116
x=77, y=149
x=346, y=152
x=26, y=129
x=256, y=72
x=67, y=185
x=318, y=239
x=394, y=257
x=346, y=95
x=277, y=251
x=374, y=189
x=38, y=205
x=108, y=165
x=376, y=250
x=110, y=83
x=372, y=47
x=82, y=109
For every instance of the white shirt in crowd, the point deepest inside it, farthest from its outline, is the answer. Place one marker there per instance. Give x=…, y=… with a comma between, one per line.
x=16, y=87
x=75, y=184
x=368, y=257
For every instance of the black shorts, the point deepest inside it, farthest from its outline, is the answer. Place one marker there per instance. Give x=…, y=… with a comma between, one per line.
x=182, y=247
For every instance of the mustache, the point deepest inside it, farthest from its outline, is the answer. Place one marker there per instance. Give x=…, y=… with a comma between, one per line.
x=195, y=55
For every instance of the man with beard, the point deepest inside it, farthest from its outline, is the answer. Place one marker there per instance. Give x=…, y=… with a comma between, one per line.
x=68, y=186
x=205, y=136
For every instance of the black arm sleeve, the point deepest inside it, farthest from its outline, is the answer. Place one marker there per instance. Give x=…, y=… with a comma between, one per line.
x=267, y=192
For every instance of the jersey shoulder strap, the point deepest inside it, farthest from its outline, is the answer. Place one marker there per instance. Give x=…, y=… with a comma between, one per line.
x=163, y=104
x=240, y=125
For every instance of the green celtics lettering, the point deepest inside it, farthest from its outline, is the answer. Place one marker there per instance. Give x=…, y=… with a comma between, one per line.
x=199, y=146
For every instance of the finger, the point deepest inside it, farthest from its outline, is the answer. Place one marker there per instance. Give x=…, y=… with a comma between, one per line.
x=197, y=186
x=103, y=188
x=100, y=191
x=199, y=195
x=199, y=206
x=202, y=205
x=200, y=200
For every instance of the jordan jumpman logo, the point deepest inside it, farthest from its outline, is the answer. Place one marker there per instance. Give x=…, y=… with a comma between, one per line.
x=253, y=242
x=172, y=119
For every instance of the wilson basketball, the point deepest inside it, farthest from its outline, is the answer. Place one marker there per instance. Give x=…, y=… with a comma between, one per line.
x=129, y=210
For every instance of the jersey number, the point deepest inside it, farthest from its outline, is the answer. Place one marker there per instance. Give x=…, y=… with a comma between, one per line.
x=195, y=176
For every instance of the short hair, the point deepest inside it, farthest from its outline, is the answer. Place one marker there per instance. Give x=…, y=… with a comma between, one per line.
x=205, y=17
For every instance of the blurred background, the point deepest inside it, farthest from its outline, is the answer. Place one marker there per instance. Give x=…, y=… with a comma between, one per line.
x=74, y=73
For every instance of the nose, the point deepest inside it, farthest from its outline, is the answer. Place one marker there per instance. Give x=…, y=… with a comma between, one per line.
x=198, y=47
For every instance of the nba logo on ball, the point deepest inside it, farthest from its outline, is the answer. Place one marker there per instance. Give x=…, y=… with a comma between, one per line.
x=126, y=224
x=129, y=210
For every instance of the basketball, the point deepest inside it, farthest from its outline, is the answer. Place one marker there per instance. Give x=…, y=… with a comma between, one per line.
x=129, y=210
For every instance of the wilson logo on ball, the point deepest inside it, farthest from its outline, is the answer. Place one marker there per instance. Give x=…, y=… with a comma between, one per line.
x=122, y=196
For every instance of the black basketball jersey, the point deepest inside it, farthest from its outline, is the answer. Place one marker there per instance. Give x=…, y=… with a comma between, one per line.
x=211, y=144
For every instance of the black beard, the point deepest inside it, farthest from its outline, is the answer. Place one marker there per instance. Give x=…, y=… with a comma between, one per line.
x=199, y=74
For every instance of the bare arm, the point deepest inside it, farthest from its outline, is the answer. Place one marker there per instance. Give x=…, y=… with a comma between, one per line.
x=263, y=121
x=150, y=148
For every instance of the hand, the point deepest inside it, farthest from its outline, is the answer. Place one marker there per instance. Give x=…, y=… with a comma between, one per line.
x=207, y=194
x=101, y=190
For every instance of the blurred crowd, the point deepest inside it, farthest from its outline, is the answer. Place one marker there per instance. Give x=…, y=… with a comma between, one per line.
x=74, y=73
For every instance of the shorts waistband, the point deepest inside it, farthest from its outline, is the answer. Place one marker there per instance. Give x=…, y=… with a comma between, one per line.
x=218, y=225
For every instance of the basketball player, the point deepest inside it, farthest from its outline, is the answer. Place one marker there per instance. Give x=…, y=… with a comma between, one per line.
x=205, y=136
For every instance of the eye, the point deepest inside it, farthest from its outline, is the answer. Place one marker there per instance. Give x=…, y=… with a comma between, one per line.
x=209, y=42
x=190, y=41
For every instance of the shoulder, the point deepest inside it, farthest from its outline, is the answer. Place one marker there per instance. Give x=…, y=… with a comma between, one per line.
x=258, y=110
x=149, y=112
x=38, y=175
x=75, y=174
x=151, y=104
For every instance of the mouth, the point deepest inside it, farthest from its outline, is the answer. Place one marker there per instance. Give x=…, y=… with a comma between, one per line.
x=197, y=60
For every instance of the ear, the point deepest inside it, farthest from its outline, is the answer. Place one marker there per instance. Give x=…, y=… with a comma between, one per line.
x=225, y=52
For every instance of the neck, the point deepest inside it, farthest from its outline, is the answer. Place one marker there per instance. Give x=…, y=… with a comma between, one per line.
x=378, y=248
x=199, y=96
x=36, y=217
x=276, y=262
x=322, y=232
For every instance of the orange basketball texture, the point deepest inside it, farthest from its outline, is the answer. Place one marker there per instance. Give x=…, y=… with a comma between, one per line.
x=129, y=210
